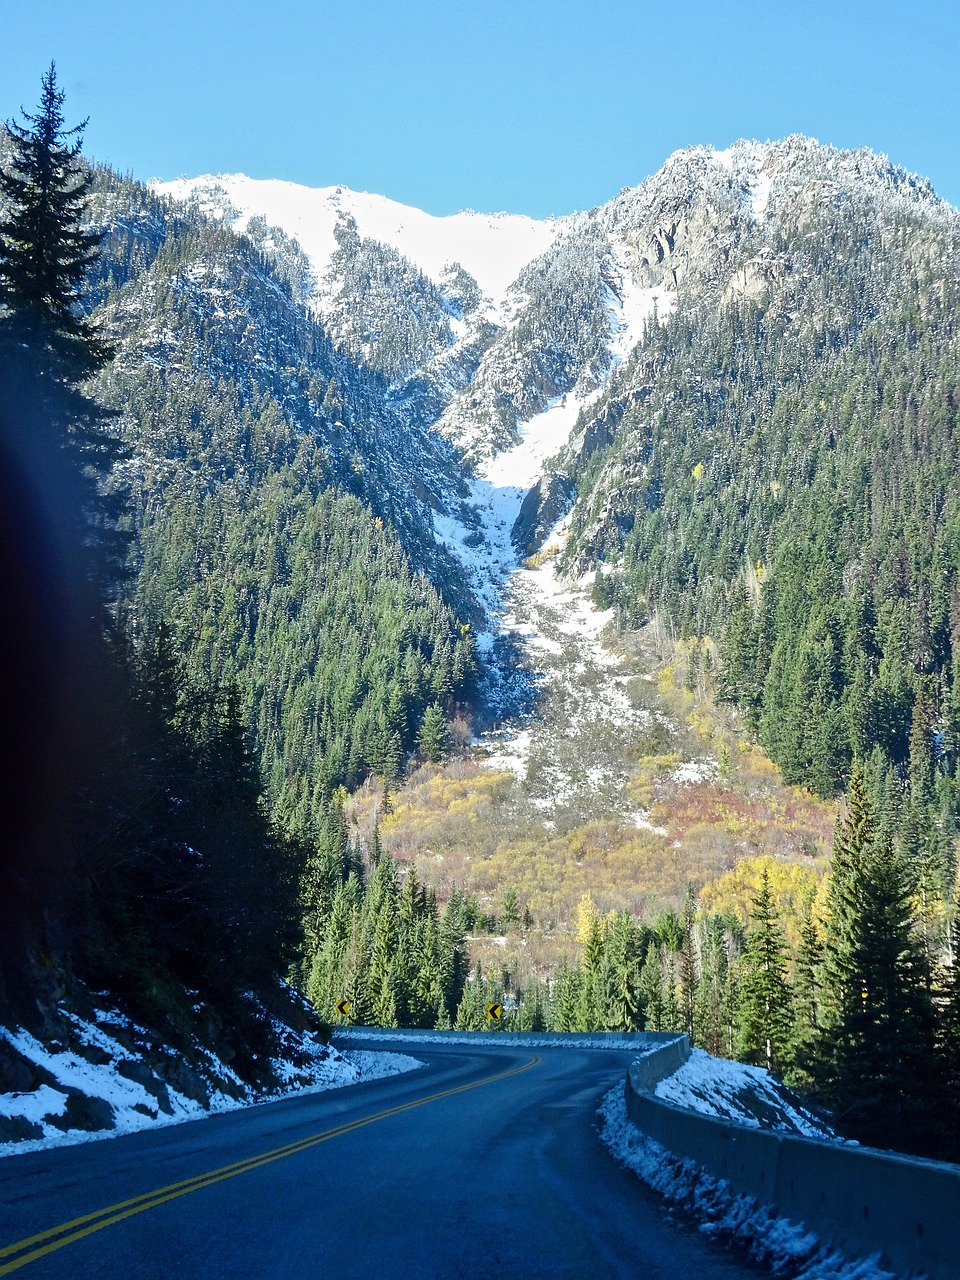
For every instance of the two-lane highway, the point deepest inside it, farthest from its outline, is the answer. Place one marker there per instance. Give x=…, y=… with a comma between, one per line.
x=484, y=1163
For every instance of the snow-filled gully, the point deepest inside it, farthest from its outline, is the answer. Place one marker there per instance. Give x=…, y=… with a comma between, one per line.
x=570, y=752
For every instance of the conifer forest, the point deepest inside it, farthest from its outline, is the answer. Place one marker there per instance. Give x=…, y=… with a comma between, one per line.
x=255, y=661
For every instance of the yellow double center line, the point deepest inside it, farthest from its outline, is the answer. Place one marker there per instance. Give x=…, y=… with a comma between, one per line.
x=30, y=1249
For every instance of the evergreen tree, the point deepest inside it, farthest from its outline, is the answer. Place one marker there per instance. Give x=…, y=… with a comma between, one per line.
x=592, y=995
x=650, y=989
x=949, y=1041
x=622, y=986
x=806, y=1000
x=454, y=962
x=565, y=998
x=688, y=962
x=883, y=1048
x=434, y=737
x=47, y=345
x=44, y=252
x=711, y=1008
x=765, y=996
x=877, y=1050
x=510, y=909
x=852, y=843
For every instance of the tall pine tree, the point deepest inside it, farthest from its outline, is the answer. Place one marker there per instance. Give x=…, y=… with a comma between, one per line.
x=878, y=1048
x=765, y=996
x=48, y=346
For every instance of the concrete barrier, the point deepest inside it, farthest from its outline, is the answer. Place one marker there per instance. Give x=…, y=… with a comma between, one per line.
x=861, y=1200
x=647, y=1043
x=668, y=1055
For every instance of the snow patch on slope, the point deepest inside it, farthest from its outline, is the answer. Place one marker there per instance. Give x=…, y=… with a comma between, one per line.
x=733, y=1091
x=497, y=492
x=760, y=194
x=96, y=1087
x=745, y=162
x=492, y=247
x=636, y=308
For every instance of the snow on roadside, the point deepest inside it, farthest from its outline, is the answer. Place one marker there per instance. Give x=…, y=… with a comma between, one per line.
x=730, y=1218
x=734, y=1091
x=97, y=1087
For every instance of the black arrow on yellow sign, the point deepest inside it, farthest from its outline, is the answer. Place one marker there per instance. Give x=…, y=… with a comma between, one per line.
x=343, y=1007
x=495, y=1012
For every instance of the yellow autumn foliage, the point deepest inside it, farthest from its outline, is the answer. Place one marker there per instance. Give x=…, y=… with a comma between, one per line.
x=794, y=886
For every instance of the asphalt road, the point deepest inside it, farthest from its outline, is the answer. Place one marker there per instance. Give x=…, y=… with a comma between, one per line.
x=486, y=1162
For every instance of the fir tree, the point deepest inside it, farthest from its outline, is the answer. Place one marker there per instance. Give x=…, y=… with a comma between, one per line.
x=47, y=345
x=510, y=909
x=592, y=995
x=44, y=253
x=711, y=1011
x=565, y=998
x=852, y=843
x=877, y=1048
x=650, y=989
x=434, y=737
x=949, y=1039
x=765, y=996
x=688, y=962
x=883, y=1048
x=622, y=987
x=806, y=1000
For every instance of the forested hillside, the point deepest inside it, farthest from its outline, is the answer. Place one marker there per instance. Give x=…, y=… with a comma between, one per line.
x=273, y=635
x=298, y=483
x=273, y=526
x=782, y=476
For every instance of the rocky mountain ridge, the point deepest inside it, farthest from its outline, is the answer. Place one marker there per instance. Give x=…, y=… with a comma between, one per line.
x=652, y=385
x=479, y=324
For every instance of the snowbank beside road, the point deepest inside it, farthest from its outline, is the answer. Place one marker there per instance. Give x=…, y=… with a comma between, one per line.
x=771, y=1241
x=734, y=1091
x=94, y=1083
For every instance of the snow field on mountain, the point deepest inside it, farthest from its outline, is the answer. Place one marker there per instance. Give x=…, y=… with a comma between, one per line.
x=633, y=309
x=746, y=158
x=573, y=755
x=493, y=248
x=497, y=492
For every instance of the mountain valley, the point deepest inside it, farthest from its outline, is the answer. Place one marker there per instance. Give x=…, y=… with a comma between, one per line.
x=546, y=590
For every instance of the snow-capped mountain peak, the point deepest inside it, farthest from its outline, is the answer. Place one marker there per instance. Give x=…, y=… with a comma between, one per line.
x=493, y=248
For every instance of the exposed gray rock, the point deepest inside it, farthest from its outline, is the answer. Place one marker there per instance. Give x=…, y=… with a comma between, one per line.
x=548, y=501
x=141, y=1074
x=18, y=1129
x=83, y=1112
x=17, y=1073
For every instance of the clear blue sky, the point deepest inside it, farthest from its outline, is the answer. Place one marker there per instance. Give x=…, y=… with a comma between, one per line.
x=525, y=105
